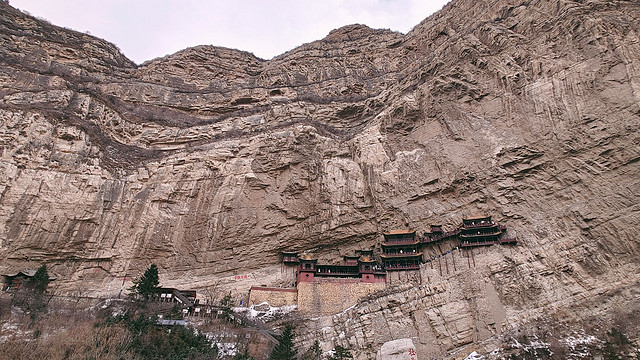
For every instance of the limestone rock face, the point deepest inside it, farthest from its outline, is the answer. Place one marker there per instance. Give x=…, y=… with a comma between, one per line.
x=210, y=161
x=401, y=349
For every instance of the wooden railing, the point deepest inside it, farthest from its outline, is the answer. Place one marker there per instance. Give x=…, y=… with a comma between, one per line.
x=478, y=243
x=446, y=235
x=400, y=241
x=480, y=234
x=395, y=254
x=487, y=224
x=332, y=272
x=399, y=267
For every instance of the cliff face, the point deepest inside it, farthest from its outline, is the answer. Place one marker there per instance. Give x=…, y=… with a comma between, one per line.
x=209, y=162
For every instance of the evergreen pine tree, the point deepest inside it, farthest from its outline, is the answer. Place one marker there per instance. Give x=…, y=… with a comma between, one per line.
x=313, y=353
x=175, y=313
x=40, y=280
x=226, y=303
x=244, y=355
x=284, y=350
x=147, y=285
x=341, y=353
x=32, y=298
x=615, y=344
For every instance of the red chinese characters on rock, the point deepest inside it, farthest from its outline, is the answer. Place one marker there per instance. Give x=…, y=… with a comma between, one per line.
x=412, y=353
x=241, y=277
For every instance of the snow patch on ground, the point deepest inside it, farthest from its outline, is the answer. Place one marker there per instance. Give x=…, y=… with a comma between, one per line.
x=532, y=345
x=474, y=356
x=8, y=330
x=579, y=345
x=348, y=309
x=575, y=341
x=226, y=349
x=264, y=311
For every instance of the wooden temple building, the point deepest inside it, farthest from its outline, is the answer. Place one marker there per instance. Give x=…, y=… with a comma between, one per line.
x=401, y=251
x=362, y=266
x=186, y=298
x=482, y=231
x=290, y=258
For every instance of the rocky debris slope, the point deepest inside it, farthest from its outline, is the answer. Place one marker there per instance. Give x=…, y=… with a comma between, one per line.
x=209, y=162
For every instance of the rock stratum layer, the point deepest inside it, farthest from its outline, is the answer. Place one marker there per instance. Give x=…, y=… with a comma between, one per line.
x=210, y=161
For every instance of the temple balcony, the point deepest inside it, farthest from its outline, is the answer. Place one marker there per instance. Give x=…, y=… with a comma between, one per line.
x=324, y=270
x=477, y=219
x=402, y=267
x=479, y=225
x=478, y=243
x=400, y=255
x=337, y=274
x=407, y=241
x=510, y=240
x=290, y=259
x=480, y=234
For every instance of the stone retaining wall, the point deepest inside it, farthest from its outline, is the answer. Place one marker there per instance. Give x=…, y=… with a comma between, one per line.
x=331, y=296
x=273, y=296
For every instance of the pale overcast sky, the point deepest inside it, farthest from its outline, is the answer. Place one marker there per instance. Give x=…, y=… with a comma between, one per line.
x=146, y=29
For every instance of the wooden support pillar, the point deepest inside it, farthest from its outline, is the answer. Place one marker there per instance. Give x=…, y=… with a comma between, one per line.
x=446, y=263
x=473, y=258
x=453, y=258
